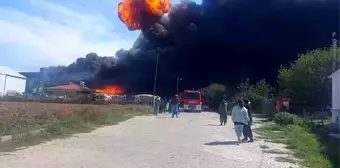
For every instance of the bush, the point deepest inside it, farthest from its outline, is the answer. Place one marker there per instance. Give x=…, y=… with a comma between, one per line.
x=285, y=118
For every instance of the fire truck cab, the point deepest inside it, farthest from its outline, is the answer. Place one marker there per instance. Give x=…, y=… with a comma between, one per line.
x=191, y=100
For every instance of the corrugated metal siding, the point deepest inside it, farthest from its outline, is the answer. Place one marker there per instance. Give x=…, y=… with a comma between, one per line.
x=17, y=84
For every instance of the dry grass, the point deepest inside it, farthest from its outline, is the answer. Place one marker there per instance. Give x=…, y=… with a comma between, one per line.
x=57, y=120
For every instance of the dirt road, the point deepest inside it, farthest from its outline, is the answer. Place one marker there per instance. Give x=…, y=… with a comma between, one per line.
x=194, y=140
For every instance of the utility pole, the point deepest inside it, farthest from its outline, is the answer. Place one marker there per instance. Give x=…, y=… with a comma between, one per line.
x=177, y=88
x=154, y=86
x=334, y=52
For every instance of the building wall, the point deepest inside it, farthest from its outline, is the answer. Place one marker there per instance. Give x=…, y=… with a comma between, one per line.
x=17, y=84
x=2, y=84
x=336, y=97
x=11, y=83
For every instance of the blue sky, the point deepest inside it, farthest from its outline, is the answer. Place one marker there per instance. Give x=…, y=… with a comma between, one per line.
x=37, y=33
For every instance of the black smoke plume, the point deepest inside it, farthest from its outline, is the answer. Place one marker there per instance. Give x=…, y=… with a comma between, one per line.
x=218, y=41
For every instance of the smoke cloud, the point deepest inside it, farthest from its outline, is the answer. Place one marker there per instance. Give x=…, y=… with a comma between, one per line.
x=218, y=41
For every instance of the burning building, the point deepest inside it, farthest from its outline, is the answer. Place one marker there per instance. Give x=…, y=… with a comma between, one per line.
x=71, y=90
x=111, y=90
x=202, y=42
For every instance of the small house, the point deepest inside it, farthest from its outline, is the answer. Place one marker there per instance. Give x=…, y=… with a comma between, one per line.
x=71, y=90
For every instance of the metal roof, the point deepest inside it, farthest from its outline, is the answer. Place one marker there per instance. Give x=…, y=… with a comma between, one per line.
x=4, y=70
x=335, y=73
x=74, y=87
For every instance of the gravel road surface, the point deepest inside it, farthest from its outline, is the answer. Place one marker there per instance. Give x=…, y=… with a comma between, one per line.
x=193, y=140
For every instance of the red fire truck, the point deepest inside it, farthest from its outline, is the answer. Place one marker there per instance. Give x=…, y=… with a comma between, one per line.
x=191, y=100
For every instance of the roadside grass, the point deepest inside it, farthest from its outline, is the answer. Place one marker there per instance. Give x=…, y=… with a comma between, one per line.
x=315, y=152
x=47, y=126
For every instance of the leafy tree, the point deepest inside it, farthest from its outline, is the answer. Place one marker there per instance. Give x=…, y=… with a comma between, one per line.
x=214, y=94
x=260, y=90
x=306, y=80
x=257, y=93
x=242, y=90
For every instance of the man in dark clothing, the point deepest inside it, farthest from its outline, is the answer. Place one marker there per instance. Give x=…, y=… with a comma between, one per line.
x=163, y=105
x=157, y=102
x=222, y=110
x=174, y=106
x=247, y=132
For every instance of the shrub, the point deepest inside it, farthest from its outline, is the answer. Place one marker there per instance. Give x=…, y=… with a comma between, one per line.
x=285, y=118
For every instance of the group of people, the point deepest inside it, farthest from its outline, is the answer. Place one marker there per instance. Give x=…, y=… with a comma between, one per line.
x=162, y=105
x=241, y=117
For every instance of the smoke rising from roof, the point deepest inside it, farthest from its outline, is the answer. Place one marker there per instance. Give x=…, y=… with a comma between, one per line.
x=219, y=40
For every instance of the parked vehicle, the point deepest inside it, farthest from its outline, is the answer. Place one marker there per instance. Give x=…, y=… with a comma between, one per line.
x=191, y=100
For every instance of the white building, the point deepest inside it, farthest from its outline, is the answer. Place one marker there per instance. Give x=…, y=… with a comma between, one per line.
x=336, y=96
x=11, y=80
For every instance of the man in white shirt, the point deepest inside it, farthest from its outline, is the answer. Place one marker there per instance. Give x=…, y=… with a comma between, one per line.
x=240, y=117
x=247, y=132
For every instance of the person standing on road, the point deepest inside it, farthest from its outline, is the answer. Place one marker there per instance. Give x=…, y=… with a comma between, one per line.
x=239, y=115
x=163, y=105
x=174, y=106
x=157, y=102
x=222, y=110
x=247, y=132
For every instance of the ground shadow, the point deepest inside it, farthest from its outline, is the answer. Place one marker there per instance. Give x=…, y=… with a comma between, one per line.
x=215, y=125
x=285, y=159
x=191, y=112
x=222, y=143
x=260, y=116
x=262, y=120
x=209, y=111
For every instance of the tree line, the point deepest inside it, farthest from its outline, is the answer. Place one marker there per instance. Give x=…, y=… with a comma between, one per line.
x=305, y=81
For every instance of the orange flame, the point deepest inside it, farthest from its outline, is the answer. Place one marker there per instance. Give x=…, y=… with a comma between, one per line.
x=111, y=89
x=158, y=7
x=130, y=11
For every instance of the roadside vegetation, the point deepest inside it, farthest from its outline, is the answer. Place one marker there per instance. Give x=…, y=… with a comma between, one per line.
x=306, y=82
x=314, y=148
x=30, y=123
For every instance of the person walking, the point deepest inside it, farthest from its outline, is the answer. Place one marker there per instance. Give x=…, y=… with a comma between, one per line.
x=247, y=132
x=174, y=106
x=222, y=110
x=239, y=115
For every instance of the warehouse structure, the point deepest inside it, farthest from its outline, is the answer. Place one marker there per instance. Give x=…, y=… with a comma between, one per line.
x=11, y=81
x=336, y=96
